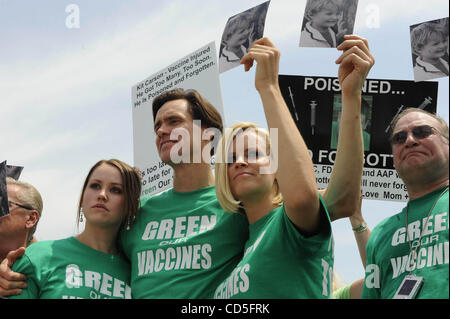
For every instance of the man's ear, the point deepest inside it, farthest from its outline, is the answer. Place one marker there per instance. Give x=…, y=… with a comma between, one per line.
x=33, y=217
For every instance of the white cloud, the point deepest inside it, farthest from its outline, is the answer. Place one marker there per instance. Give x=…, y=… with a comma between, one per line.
x=60, y=190
x=40, y=88
x=27, y=151
x=124, y=58
x=391, y=11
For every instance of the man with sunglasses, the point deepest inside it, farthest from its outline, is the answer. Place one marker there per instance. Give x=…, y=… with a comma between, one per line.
x=25, y=208
x=408, y=253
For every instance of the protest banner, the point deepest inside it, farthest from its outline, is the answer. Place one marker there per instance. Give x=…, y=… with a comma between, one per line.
x=315, y=104
x=198, y=71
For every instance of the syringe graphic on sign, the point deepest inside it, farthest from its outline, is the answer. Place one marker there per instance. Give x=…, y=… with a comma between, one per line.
x=293, y=104
x=422, y=106
x=313, y=105
x=392, y=120
x=425, y=103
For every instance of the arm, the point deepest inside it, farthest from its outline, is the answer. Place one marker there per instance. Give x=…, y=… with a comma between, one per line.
x=295, y=174
x=11, y=282
x=344, y=189
x=362, y=234
x=356, y=289
x=24, y=266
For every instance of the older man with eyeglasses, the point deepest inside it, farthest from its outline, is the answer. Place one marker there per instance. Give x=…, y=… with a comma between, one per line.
x=25, y=208
x=408, y=253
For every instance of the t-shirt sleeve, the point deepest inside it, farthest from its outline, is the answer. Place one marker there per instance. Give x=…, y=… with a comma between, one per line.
x=26, y=267
x=320, y=242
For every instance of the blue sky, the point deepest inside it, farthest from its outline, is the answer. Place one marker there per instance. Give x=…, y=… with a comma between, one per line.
x=66, y=93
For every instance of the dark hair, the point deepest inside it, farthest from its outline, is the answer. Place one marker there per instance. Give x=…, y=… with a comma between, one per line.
x=131, y=187
x=199, y=107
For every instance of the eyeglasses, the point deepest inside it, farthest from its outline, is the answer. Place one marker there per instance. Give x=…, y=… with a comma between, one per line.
x=419, y=132
x=19, y=205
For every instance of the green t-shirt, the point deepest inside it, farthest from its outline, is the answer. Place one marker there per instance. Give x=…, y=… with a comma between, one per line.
x=183, y=245
x=388, y=250
x=280, y=263
x=342, y=293
x=68, y=269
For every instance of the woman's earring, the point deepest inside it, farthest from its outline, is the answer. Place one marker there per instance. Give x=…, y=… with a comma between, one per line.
x=128, y=223
x=130, y=220
x=81, y=214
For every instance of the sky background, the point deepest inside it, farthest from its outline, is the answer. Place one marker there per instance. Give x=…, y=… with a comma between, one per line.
x=66, y=92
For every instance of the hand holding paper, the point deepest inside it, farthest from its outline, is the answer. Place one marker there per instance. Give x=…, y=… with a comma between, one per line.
x=355, y=63
x=264, y=52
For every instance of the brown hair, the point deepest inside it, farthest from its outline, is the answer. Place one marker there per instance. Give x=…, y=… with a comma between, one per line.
x=131, y=188
x=199, y=107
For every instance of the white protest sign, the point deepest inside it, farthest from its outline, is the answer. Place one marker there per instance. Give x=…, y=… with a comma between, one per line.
x=198, y=71
x=377, y=183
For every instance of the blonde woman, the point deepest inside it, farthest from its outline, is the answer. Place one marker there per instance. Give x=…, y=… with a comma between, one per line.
x=289, y=253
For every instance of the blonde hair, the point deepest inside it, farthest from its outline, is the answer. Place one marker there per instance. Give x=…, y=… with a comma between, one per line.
x=223, y=190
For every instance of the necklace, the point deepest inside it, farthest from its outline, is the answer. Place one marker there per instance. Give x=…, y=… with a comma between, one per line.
x=411, y=251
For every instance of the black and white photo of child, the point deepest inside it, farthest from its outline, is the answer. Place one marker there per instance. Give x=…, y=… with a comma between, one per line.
x=429, y=46
x=240, y=32
x=326, y=22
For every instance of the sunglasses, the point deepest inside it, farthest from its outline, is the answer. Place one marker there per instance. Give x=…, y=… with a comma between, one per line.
x=19, y=205
x=419, y=132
